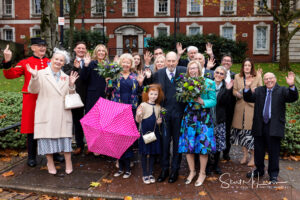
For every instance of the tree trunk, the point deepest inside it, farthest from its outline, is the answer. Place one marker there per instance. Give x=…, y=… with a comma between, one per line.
x=48, y=24
x=284, y=49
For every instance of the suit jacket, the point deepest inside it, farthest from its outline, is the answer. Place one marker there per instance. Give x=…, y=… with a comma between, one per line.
x=231, y=105
x=223, y=99
x=95, y=84
x=280, y=96
x=81, y=85
x=51, y=120
x=173, y=107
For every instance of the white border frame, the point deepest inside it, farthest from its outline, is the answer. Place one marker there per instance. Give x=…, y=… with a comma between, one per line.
x=188, y=10
x=228, y=24
x=156, y=8
x=261, y=51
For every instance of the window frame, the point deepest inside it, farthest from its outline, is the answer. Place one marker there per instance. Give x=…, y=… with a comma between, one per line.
x=161, y=25
x=189, y=11
x=34, y=28
x=97, y=26
x=156, y=9
x=194, y=25
x=258, y=11
x=12, y=14
x=3, y=34
x=233, y=30
x=226, y=13
x=125, y=12
x=33, y=11
x=265, y=51
x=93, y=10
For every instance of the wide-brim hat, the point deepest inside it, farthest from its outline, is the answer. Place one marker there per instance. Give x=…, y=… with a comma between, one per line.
x=38, y=40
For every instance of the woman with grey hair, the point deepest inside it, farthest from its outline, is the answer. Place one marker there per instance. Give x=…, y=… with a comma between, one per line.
x=53, y=126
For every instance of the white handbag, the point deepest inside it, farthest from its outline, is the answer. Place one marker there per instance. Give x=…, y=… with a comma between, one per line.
x=73, y=101
x=149, y=136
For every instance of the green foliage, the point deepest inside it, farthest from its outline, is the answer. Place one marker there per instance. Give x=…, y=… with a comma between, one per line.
x=221, y=46
x=16, y=48
x=11, y=85
x=10, y=113
x=291, y=142
x=91, y=38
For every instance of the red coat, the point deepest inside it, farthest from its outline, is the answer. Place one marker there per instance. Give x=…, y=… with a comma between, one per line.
x=29, y=100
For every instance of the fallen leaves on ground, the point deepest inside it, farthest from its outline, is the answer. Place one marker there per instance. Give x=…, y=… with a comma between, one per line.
x=212, y=178
x=44, y=168
x=223, y=161
x=9, y=173
x=101, y=199
x=75, y=198
x=46, y=197
x=2, y=116
x=127, y=198
x=289, y=168
x=23, y=154
x=294, y=158
x=284, y=198
x=95, y=184
x=106, y=180
x=279, y=188
x=176, y=199
x=202, y=193
x=1, y=190
x=6, y=159
x=181, y=177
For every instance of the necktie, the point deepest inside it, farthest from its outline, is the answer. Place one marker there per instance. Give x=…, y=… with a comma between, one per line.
x=172, y=77
x=82, y=63
x=267, y=107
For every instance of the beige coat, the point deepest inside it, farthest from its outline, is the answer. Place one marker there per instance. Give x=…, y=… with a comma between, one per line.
x=51, y=120
x=242, y=107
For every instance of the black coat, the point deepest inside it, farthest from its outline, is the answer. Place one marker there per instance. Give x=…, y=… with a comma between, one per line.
x=95, y=84
x=231, y=105
x=223, y=99
x=173, y=107
x=280, y=96
x=81, y=85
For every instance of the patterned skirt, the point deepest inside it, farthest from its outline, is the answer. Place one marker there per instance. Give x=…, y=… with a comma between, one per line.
x=242, y=137
x=220, y=135
x=57, y=145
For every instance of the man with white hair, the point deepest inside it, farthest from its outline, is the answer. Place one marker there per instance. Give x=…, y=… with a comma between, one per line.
x=191, y=52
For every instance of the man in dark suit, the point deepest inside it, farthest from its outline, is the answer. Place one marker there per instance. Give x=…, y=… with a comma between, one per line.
x=77, y=64
x=227, y=63
x=166, y=78
x=269, y=120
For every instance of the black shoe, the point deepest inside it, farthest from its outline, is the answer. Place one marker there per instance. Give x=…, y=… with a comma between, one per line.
x=58, y=158
x=208, y=170
x=273, y=180
x=173, y=177
x=217, y=170
x=226, y=157
x=31, y=162
x=163, y=175
x=254, y=174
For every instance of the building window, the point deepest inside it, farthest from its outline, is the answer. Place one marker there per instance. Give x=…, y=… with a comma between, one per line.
x=98, y=7
x=130, y=8
x=36, y=5
x=194, y=7
x=99, y=28
x=259, y=7
x=8, y=6
x=66, y=7
x=8, y=33
x=228, y=31
x=161, y=7
x=193, y=29
x=35, y=31
x=228, y=7
x=261, y=41
x=161, y=30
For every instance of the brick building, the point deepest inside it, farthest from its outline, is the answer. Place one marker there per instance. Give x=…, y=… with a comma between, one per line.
x=133, y=21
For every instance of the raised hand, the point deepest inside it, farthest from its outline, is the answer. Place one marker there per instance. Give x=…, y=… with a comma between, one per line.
x=229, y=85
x=72, y=78
x=87, y=59
x=7, y=54
x=140, y=78
x=116, y=59
x=77, y=63
x=33, y=72
x=209, y=50
x=248, y=81
x=260, y=71
x=180, y=51
x=290, y=79
x=147, y=57
x=148, y=72
x=210, y=63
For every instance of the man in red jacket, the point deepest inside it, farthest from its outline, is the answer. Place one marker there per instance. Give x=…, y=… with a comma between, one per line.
x=39, y=47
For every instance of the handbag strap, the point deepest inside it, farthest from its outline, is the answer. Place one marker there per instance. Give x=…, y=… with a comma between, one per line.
x=140, y=127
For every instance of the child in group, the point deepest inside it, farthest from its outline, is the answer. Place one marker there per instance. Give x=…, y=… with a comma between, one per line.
x=148, y=115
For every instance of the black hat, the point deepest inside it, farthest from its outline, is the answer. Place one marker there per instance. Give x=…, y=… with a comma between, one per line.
x=38, y=40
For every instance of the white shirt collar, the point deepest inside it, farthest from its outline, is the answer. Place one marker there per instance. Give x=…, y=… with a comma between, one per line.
x=169, y=73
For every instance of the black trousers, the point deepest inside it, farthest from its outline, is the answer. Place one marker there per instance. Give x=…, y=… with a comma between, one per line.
x=172, y=133
x=31, y=146
x=272, y=144
x=228, y=144
x=77, y=114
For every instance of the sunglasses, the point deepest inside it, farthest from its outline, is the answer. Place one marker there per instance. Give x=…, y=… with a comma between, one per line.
x=221, y=73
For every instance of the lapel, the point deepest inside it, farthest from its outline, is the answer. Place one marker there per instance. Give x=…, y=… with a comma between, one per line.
x=50, y=78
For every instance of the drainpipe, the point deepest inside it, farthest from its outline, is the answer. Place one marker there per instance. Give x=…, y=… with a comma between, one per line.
x=274, y=34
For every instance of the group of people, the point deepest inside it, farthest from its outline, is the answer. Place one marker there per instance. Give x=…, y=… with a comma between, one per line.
x=234, y=109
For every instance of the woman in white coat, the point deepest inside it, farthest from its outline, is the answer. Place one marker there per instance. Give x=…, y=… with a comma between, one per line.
x=53, y=123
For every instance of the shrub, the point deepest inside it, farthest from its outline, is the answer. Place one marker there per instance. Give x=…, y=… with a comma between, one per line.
x=290, y=144
x=16, y=48
x=221, y=45
x=10, y=114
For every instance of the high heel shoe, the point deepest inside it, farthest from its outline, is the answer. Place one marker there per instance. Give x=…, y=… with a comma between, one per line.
x=69, y=171
x=200, y=182
x=51, y=171
x=187, y=180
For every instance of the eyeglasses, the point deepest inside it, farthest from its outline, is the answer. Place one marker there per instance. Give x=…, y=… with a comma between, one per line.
x=221, y=73
x=268, y=79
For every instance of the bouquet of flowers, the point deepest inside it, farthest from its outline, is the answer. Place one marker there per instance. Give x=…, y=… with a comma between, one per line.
x=189, y=88
x=163, y=113
x=109, y=70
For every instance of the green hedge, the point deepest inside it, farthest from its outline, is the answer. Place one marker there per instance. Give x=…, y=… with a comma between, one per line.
x=221, y=45
x=291, y=142
x=10, y=114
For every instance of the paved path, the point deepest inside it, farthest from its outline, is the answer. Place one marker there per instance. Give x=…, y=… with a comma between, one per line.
x=231, y=185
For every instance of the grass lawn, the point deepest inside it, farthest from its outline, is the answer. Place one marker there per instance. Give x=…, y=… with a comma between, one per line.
x=15, y=85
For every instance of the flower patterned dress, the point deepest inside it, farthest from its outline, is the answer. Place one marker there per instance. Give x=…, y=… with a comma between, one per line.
x=197, y=129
